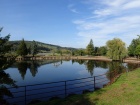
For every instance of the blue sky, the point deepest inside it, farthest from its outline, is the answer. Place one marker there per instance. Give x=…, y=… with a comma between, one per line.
x=71, y=23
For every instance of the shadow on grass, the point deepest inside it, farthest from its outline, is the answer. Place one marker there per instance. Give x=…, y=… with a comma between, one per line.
x=87, y=98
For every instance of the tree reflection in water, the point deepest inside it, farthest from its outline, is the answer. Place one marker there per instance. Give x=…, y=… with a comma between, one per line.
x=33, y=66
x=90, y=64
x=24, y=65
x=116, y=68
x=5, y=80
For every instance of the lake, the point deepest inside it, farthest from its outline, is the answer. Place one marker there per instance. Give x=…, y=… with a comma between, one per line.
x=43, y=80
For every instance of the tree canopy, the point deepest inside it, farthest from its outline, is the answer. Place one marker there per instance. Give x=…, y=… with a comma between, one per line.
x=90, y=48
x=132, y=47
x=116, y=49
x=4, y=45
x=102, y=50
x=22, y=49
x=137, y=50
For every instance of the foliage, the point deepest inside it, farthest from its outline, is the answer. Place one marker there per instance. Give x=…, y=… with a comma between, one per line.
x=42, y=47
x=22, y=49
x=96, y=51
x=33, y=48
x=102, y=50
x=137, y=50
x=132, y=47
x=58, y=51
x=5, y=80
x=79, y=52
x=4, y=45
x=90, y=48
x=116, y=49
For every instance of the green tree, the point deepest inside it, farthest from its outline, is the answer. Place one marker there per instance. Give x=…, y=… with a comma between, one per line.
x=5, y=47
x=59, y=51
x=33, y=48
x=116, y=49
x=96, y=51
x=102, y=50
x=133, y=45
x=80, y=52
x=29, y=49
x=137, y=51
x=22, y=49
x=5, y=78
x=90, y=48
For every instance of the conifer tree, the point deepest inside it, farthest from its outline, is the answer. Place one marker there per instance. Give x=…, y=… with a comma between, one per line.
x=90, y=48
x=4, y=46
x=22, y=49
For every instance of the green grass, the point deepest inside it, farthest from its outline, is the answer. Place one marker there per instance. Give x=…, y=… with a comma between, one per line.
x=125, y=91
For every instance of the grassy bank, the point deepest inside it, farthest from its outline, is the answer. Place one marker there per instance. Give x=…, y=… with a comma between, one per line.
x=125, y=91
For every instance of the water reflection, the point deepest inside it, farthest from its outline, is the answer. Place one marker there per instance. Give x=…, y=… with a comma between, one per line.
x=23, y=66
x=33, y=66
x=101, y=64
x=5, y=80
x=88, y=65
x=57, y=64
x=131, y=66
x=91, y=64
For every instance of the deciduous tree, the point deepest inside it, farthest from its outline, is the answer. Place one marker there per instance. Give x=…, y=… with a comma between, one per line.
x=116, y=49
x=133, y=45
x=137, y=51
x=102, y=50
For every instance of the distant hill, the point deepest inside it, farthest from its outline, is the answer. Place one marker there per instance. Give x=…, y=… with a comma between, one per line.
x=42, y=47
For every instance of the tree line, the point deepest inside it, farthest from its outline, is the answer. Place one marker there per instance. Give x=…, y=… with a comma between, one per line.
x=23, y=50
x=115, y=49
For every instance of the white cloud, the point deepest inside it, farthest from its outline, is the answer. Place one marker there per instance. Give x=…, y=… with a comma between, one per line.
x=132, y=4
x=114, y=3
x=72, y=9
x=103, y=12
x=117, y=18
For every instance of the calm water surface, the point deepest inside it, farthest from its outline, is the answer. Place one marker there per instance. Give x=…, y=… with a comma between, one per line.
x=33, y=72
x=40, y=72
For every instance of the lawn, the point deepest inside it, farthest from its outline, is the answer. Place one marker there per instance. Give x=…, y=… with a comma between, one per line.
x=125, y=91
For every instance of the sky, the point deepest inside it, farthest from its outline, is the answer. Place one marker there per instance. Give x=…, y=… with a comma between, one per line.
x=71, y=23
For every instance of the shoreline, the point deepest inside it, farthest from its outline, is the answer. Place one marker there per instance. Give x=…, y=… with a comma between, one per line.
x=98, y=58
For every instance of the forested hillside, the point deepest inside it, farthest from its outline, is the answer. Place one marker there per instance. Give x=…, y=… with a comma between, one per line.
x=42, y=47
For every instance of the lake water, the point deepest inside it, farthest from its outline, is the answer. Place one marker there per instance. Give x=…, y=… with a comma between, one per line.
x=68, y=77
